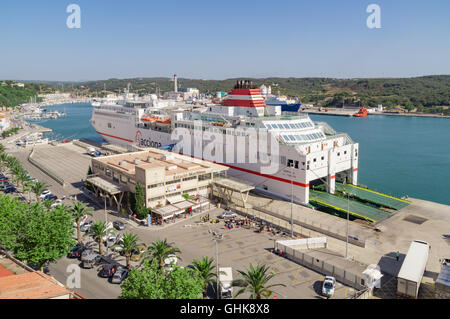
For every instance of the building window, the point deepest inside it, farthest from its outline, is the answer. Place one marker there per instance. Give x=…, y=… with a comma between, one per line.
x=296, y=164
x=204, y=177
x=108, y=172
x=173, y=182
x=189, y=178
x=155, y=185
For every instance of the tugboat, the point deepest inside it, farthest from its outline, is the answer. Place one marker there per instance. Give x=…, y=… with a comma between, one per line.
x=361, y=113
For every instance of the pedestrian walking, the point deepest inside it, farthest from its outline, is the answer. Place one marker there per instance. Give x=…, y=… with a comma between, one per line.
x=397, y=255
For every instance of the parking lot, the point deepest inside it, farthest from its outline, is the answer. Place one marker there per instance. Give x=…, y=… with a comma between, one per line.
x=237, y=249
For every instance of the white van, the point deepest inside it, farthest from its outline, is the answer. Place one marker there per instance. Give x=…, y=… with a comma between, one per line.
x=226, y=278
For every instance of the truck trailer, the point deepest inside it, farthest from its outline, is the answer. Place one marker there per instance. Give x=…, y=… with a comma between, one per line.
x=413, y=268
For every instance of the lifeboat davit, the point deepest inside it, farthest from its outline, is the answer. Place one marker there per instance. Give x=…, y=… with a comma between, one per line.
x=361, y=113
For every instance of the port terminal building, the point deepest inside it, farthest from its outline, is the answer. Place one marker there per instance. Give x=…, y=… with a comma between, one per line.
x=171, y=182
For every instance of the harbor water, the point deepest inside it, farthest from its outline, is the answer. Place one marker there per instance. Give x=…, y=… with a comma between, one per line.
x=398, y=155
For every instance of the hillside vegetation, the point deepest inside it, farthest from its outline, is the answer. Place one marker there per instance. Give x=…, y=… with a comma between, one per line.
x=12, y=95
x=423, y=94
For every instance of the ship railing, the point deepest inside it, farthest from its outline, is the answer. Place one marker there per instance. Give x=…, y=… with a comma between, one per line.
x=327, y=129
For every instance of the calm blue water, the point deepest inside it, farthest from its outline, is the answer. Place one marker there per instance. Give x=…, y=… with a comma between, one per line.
x=398, y=155
x=74, y=125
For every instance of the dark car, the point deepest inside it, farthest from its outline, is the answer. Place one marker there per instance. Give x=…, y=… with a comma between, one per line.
x=76, y=251
x=50, y=197
x=118, y=225
x=10, y=189
x=108, y=270
x=119, y=276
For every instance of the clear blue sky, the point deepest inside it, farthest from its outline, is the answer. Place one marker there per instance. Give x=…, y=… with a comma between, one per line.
x=222, y=39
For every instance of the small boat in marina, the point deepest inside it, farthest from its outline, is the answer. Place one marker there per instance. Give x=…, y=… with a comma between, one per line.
x=361, y=113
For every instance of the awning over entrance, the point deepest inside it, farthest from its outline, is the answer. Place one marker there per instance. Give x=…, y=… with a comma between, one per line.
x=175, y=199
x=109, y=187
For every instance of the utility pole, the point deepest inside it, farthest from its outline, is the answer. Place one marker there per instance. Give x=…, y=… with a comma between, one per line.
x=292, y=200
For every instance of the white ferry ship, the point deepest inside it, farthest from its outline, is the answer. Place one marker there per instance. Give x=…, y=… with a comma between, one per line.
x=305, y=151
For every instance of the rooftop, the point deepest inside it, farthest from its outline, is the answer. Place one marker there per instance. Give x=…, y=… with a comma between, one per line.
x=154, y=158
x=18, y=281
x=31, y=285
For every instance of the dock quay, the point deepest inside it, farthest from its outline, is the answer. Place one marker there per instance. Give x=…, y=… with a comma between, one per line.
x=421, y=219
x=350, y=112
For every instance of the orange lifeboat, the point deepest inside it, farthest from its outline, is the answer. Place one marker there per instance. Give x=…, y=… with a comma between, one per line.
x=163, y=121
x=148, y=119
x=361, y=113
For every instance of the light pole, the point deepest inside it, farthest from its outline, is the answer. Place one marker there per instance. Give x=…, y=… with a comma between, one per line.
x=292, y=199
x=106, y=214
x=217, y=266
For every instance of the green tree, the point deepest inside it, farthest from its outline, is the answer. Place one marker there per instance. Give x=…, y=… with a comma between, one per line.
x=37, y=188
x=204, y=269
x=150, y=283
x=78, y=211
x=98, y=231
x=159, y=251
x=255, y=281
x=138, y=202
x=128, y=243
x=33, y=234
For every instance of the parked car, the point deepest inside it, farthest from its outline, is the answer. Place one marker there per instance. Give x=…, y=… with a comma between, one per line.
x=57, y=203
x=137, y=254
x=118, y=225
x=86, y=225
x=89, y=258
x=76, y=251
x=227, y=214
x=328, y=286
x=10, y=189
x=119, y=276
x=50, y=197
x=45, y=193
x=108, y=270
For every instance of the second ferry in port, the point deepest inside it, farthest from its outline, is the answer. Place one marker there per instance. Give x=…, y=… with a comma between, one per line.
x=307, y=151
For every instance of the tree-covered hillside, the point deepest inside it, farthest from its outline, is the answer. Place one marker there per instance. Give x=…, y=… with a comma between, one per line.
x=423, y=94
x=12, y=94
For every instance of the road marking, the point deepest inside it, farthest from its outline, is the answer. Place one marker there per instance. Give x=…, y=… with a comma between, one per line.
x=247, y=256
x=307, y=280
x=296, y=275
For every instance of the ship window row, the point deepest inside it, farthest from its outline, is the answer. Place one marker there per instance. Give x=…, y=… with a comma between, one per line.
x=294, y=126
x=213, y=130
x=302, y=137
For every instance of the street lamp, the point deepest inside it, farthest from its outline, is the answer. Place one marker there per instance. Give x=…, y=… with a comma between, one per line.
x=291, y=164
x=106, y=214
x=215, y=239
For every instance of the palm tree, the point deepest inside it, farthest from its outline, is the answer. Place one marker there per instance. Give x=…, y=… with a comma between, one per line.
x=3, y=161
x=255, y=282
x=160, y=250
x=128, y=243
x=98, y=231
x=78, y=210
x=21, y=178
x=37, y=188
x=205, y=270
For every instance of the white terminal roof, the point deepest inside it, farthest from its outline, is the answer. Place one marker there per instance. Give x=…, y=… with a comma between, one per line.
x=154, y=158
